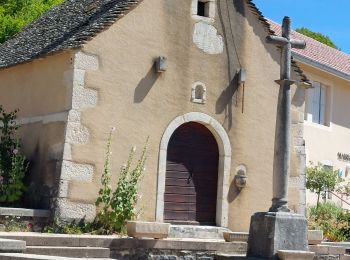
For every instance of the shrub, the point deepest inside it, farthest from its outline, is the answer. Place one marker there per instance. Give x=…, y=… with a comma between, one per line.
x=13, y=165
x=74, y=227
x=320, y=178
x=332, y=219
x=118, y=206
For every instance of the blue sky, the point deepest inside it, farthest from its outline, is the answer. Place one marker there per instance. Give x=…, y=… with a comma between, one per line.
x=330, y=17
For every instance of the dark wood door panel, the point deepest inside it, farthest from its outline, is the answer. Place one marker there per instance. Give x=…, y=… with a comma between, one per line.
x=180, y=206
x=177, y=175
x=191, y=176
x=179, y=198
x=174, y=166
x=180, y=190
x=179, y=215
x=180, y=182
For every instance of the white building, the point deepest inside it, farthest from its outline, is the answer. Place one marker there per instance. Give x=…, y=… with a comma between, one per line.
x=327, y=109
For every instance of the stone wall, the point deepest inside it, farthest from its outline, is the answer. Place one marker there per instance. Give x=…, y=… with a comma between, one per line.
x=38, y=90
x=77, y=134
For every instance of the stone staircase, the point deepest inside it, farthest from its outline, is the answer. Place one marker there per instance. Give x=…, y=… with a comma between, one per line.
x=207, y=243
x=39, y=246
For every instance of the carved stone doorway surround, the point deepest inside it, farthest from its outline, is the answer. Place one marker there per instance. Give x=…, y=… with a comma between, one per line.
x=224, y=163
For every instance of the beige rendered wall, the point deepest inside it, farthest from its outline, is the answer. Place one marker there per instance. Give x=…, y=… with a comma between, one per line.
x=323, y=143
x=39, y=90
x=140, y=103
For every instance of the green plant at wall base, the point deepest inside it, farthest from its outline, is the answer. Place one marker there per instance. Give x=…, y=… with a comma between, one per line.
x=106, y=189
x=320, y=178
x=74, y=227
x=13, y=165
x=14, y=224
x=332, y=219
x=119, y=206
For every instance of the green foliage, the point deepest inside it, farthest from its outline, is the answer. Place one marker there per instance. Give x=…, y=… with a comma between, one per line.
x=74, y=227
x=15, y=14
x=320, y=178
x=119, y=206
x=116, y=206
x=344, y=188
x=13, y=165
x=332, y=219
x=14, y=224
x=317, y=36
x=106, y=189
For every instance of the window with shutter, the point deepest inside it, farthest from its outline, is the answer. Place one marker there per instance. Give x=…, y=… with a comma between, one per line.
x=323, y=93
x=318, y=103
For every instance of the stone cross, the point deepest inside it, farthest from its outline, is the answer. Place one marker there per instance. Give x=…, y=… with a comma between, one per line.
x=281, y=164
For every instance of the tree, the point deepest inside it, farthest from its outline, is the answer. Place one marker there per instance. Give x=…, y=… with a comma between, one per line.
x=318, y=37
x=320, y=178
x=16, y=14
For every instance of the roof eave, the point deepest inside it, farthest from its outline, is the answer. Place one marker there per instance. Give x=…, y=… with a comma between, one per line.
x=303, y=59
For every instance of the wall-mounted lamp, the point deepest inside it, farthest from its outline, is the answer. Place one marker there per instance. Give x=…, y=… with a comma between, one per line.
x=241, y=76
x=241, y=177
x=161, y=64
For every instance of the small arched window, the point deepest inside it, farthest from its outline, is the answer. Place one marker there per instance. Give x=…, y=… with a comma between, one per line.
x=199, y=93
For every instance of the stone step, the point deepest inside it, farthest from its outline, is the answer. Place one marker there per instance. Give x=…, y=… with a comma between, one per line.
x=77, y=252
x=176, y=246
x=12, y=246
x=234, y=257
x=198, y=232
x=42, y=239
x=19, y=256
x=327, y=249
x=236, y=236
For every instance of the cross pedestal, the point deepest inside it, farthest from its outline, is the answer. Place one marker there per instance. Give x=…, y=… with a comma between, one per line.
x=273, y=231
x=279, y=229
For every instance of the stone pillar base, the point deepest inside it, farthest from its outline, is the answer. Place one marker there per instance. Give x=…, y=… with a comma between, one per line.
x=273, y=231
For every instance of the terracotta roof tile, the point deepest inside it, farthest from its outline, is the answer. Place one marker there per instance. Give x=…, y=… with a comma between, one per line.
x=318, y=52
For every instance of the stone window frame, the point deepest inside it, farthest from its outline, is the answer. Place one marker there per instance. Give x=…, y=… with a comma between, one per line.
x=203, y=98
x=211, y=5
x=224, y=145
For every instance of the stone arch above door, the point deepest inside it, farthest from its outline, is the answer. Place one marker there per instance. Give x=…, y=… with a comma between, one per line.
x=224, y=145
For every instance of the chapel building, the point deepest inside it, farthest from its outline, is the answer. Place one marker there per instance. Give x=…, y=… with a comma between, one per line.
x=195, y=76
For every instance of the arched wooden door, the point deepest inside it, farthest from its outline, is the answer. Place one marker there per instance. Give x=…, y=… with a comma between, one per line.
x=191, y=176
